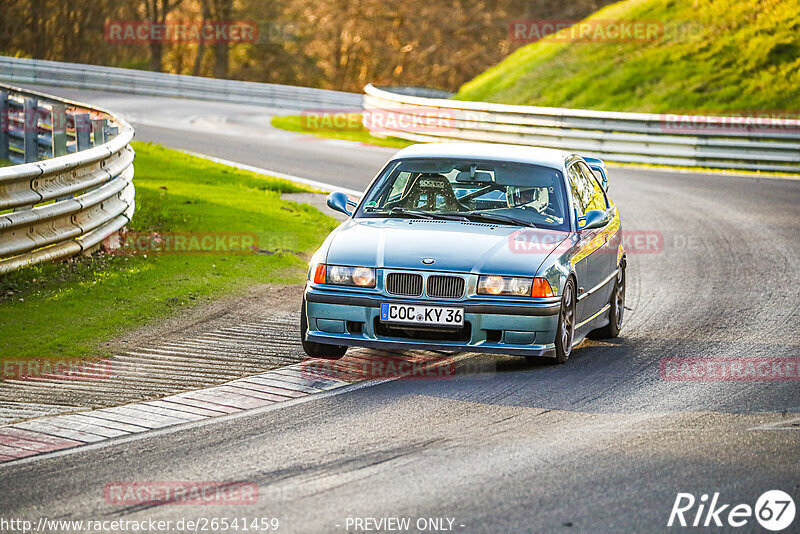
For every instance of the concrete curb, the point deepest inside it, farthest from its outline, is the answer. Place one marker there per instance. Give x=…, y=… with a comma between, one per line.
x=252, y=393
x=48, y=434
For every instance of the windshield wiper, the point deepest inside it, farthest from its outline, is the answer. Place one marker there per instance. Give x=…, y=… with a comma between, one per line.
x=496, y=217
x=399, y=211
x=466, y=217
x=428, y=214
x=410, y=213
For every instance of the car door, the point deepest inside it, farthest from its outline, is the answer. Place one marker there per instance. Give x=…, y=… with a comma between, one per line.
x=610, y=233
x=590, y=259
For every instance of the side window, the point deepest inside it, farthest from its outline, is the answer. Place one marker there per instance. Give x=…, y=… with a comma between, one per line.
x=580, y=192
x=597, y=198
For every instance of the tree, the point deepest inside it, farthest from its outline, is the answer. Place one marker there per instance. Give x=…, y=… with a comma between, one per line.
x=156, y=12
x=201, y=46
x=219, y=11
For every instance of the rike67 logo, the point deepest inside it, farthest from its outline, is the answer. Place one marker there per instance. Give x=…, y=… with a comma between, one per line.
x=774, y=510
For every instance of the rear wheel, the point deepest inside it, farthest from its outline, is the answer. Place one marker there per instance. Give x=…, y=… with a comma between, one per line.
x=317, y=350
x=566, y=323
x=617, y=303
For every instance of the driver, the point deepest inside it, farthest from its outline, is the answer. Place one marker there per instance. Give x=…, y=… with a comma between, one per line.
x=538, y=199
x=517, y=197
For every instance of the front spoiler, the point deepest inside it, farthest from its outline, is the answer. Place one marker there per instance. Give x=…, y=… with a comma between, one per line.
x=543, y=309
x=348, y=340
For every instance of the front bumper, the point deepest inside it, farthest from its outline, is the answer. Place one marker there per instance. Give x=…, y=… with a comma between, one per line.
x=352, y=318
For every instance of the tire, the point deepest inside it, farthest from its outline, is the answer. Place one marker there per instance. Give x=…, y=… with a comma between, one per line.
x=565, y=333
x=317, y=350
x=617, y=302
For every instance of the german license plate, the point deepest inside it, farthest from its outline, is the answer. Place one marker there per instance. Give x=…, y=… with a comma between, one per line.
x=427, y=315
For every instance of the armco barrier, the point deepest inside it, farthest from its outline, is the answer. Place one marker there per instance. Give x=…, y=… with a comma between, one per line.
x=72, y=185
x=614, y=136
x=139, y=82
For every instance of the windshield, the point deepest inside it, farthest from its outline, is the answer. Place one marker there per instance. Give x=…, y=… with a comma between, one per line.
x=486, y=191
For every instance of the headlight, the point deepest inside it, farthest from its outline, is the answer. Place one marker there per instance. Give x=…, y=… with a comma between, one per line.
x=342, y=275
x=504, y=285
x=513, y=286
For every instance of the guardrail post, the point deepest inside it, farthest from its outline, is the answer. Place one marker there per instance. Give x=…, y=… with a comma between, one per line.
x=4, y=155
x=58, y=140
x=99, y=131
x=58, y=118
x=83, y=131
x=30, y=129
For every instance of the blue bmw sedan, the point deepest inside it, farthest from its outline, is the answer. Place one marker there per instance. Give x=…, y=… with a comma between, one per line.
x=470, y=247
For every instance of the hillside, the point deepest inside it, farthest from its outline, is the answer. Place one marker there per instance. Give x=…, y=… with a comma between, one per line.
x=711, y=55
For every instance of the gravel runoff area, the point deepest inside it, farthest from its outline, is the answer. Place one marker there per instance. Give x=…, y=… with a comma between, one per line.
x=229, y=339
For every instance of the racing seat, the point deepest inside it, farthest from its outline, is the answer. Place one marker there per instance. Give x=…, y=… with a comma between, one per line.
x=432, y=187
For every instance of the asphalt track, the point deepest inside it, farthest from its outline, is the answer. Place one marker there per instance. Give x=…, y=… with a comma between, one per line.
x=601, y=444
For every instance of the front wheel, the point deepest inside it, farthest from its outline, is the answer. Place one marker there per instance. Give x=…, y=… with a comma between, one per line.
x=317, y=350
x=566, y=323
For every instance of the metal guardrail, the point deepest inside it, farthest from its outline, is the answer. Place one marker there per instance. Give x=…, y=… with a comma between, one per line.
x=140, y=82
x=719, y=142
x=72, y=185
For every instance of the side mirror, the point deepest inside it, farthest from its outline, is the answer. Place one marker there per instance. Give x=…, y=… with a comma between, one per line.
x=598, y=166
x=593, y=219
x=338, y=201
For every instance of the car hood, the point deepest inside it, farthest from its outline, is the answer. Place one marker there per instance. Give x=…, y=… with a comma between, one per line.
x=454, y=246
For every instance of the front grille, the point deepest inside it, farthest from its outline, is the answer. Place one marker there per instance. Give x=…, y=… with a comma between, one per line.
x=406, y=284
x=445, y=287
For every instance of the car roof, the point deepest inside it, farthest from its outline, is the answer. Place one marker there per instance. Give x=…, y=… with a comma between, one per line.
x=547, y=157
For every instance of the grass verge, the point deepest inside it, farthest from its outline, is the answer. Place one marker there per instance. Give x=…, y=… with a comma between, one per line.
x=350, y=129
x=713, y=56
x=70, y=308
